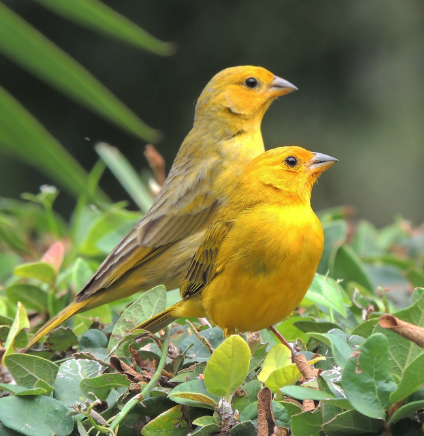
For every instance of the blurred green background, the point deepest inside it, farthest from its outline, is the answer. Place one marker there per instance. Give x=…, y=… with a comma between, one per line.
x=359, y=67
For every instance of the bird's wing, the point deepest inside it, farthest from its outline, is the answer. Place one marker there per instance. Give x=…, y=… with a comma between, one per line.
x=185, y=205
x=203, y=266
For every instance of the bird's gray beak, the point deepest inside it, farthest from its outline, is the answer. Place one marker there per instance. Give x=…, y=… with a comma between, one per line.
x=280, y=87
x=321, y=162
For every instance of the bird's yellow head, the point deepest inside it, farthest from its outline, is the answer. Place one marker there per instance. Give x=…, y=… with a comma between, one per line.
x=292, y=170
x=240, y=94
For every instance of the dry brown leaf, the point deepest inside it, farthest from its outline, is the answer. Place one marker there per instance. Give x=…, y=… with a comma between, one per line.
x=266, y=419
x=131, y=374
x=308, y=373
x=405, y=329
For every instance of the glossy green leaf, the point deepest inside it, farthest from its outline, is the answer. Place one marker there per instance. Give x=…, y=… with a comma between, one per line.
x=101, y=385
x=315, y=326
x=327, y=292
x=335, y=233
x=244, y=429
x=228, y=366
x=61, y=339
x=20, y=322
x=412, y=379
x=401, y=351
x=306, y=424
x=20, y=390
x=32, y=297
x=38, y=416
x=406, y=410
x=352, y=423
x=195, y=394
x=340, y=348
x=278, y=357
x=36, y=270
x=290, y=332
x=71, y=373
x=93, y=338
x=81, y=273
x=126, y=175
x=34, y=52
x=366, y=379
x=169, y=423
x=97, y=16
x=349, y=267
x=27, y=370
x=287, y=375
x=150, y=303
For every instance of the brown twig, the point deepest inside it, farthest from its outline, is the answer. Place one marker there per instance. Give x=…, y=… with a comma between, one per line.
x=156, y=162
x=282, y=340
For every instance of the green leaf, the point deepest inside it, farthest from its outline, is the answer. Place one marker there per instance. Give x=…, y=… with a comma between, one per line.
x=244, y=429
x=287, y=375
x=20, y=322
x=228, y=366
x=282, y=417
x=169, y=423
x=97, y=16
x=302, y=393
x=349, y=267
x=412, y=379
x=32, y=297
x=36, y=270
x=127, y=175
x=351, y=423
x=402, y=352
x=278, y=357
x=93, y=338
x=67, y=385
x=366, y=379
x=150, y=303
x=206, y=430
x=406, y=410
x=195, y=394
x=198, y=350
x=38, y=416
x=315, y=326
x=306, y=424
x=34, y=52
x=327, y=292
x=104, y=226
x=101, y=385
x=335, y=233
x=81, y=273
x=21, y=391
x=61, y=339
x=30, y=141
x=27, y=370
x=290, y=332
x=340, y=348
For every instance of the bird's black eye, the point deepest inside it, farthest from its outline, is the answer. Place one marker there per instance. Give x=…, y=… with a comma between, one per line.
x=291, y=161
x=251, y=82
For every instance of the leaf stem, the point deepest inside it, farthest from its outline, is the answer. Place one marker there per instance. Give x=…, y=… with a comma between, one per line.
x=146, y=391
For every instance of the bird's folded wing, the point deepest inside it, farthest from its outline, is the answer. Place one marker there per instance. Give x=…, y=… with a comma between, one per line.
x=184, y=206
x=203, y=266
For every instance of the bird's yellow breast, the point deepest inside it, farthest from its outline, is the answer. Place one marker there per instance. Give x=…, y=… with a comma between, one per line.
x=269, y=260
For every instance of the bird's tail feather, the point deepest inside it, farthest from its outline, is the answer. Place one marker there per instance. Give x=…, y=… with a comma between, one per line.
x=161, y=320
x=55, y=322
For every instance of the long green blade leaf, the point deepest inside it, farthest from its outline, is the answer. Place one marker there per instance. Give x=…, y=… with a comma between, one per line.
x=33, y=51
x=101, y=18
x=25, y=137
x=126, y=175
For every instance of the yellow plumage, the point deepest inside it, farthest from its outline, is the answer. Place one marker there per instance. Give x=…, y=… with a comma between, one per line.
x=258, y=258
x=225, y=137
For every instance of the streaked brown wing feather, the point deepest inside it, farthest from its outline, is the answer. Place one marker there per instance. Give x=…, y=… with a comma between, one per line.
x=183, y=207
x=203, y=269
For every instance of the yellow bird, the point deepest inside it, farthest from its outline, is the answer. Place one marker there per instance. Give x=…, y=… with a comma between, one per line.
x=225, y=137
x=259, y=256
